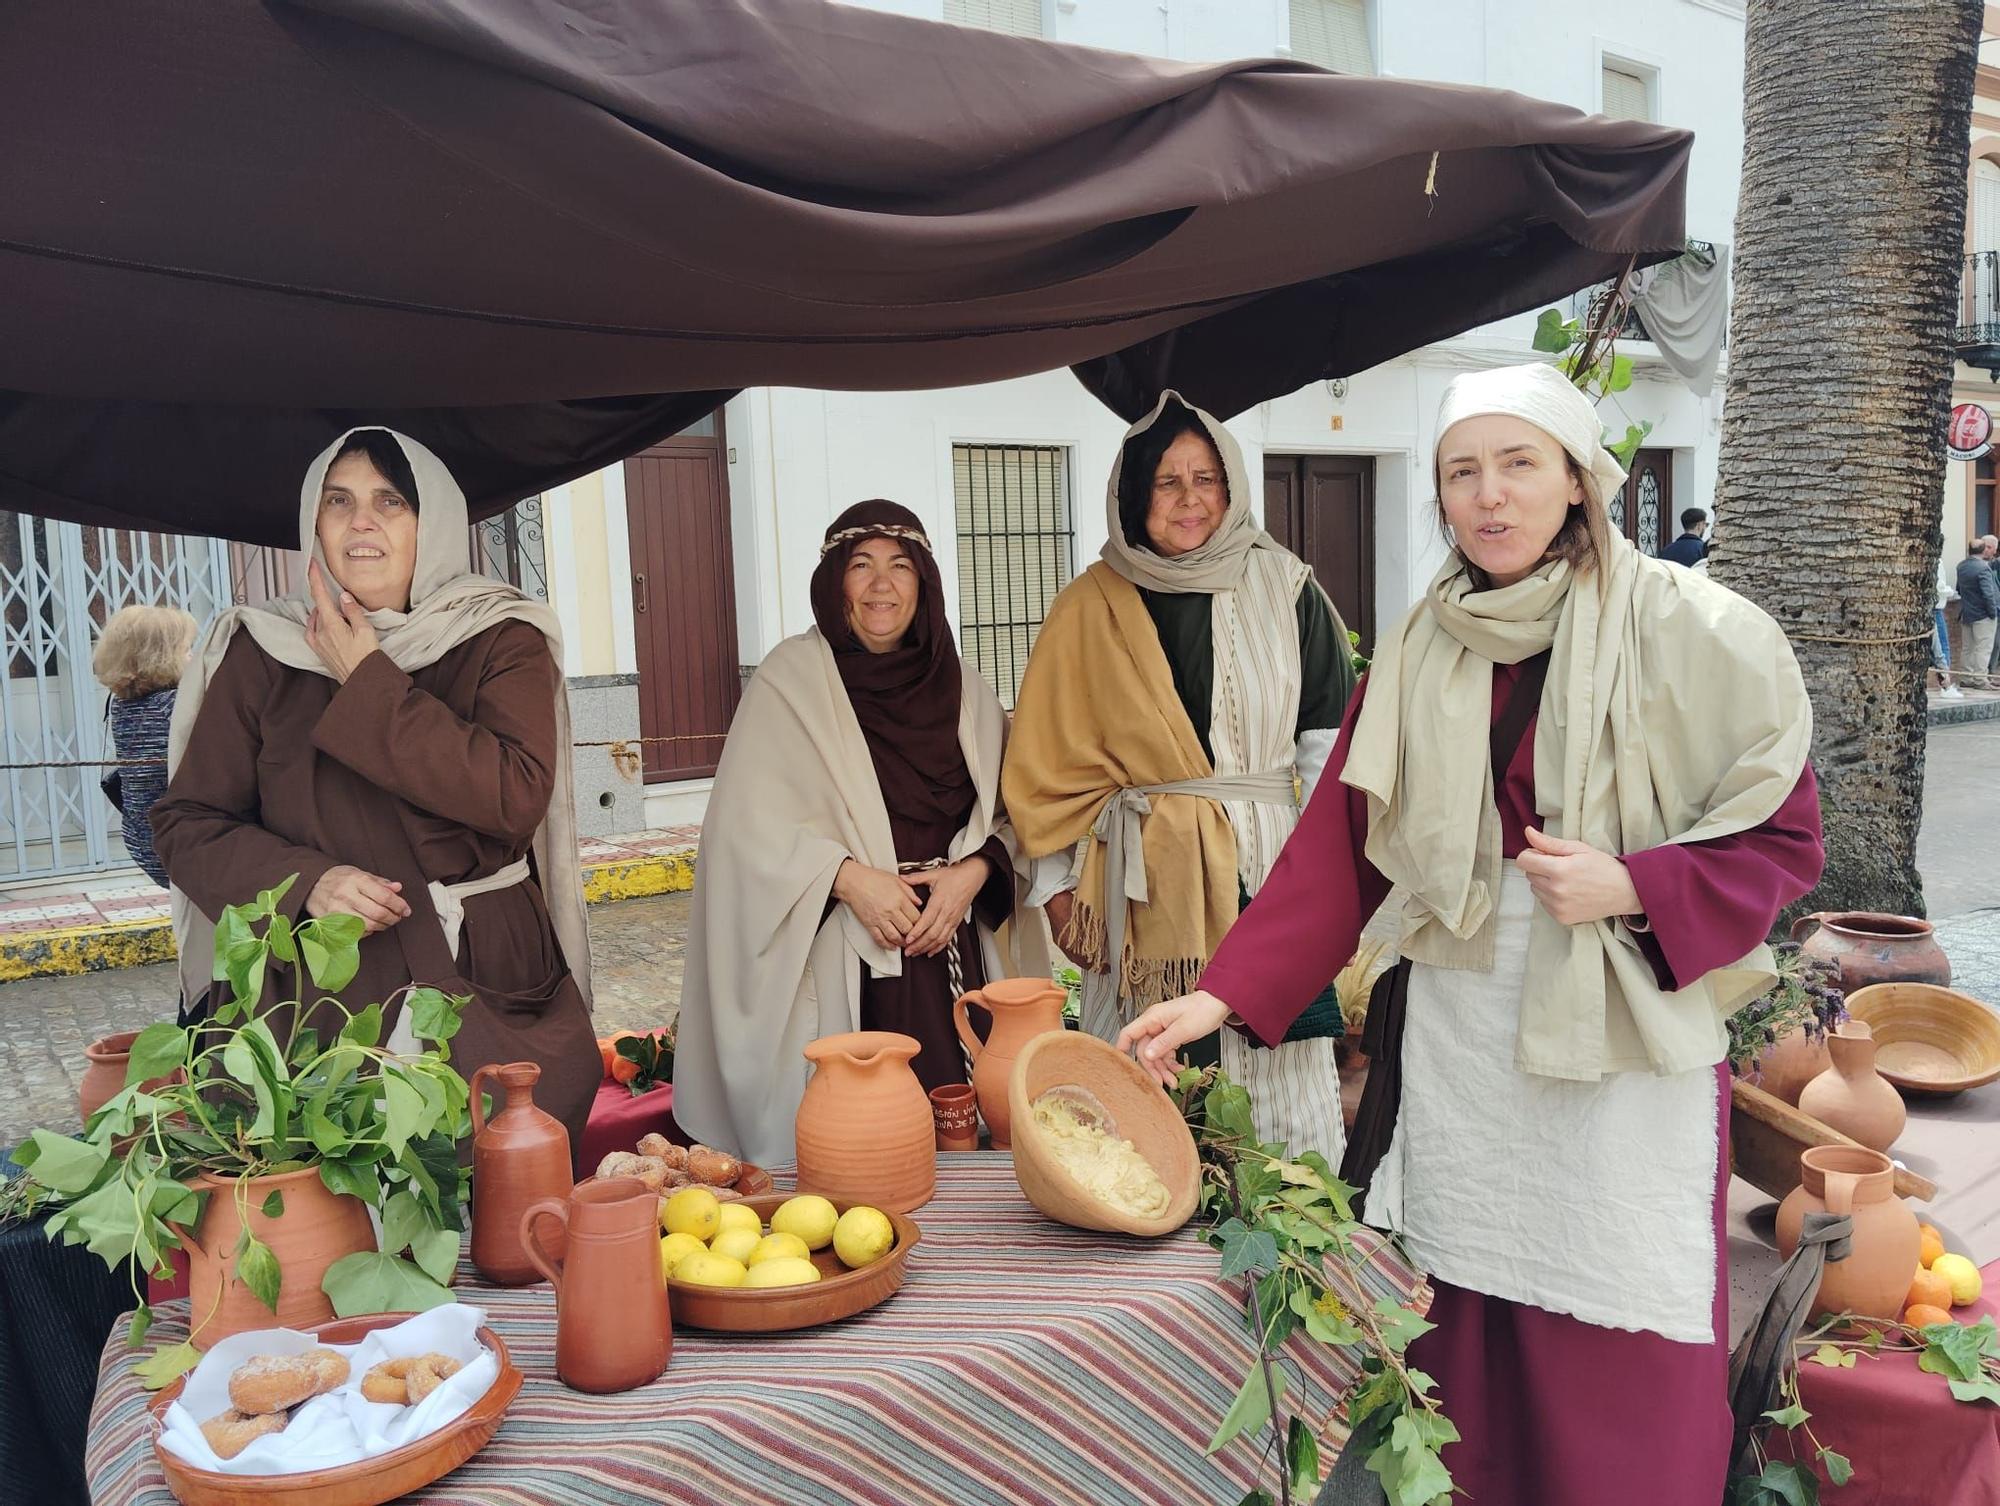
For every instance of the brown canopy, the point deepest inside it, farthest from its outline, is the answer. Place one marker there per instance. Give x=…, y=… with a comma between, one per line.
x=230, y=230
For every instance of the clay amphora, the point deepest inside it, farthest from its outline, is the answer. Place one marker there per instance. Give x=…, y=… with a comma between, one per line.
x=612, y=1328
x=1851, y=1096
x=1875, y=1277
x=1869, y=948
x=864, y=1130
x=1022, y=1008
x=315, y=1228
x=104, y=1077
x=519, y=1156
x=1795, y=1060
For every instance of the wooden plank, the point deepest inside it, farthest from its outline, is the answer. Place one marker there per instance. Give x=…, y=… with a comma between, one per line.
x=1766, y=1135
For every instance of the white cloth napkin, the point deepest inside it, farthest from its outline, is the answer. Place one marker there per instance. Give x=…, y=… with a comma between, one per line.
x=339, y=1427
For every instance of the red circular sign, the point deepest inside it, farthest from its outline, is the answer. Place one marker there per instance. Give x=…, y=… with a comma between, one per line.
x=1971, y=432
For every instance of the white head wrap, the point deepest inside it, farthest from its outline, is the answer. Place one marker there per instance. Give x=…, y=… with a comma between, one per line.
x=1548, y=400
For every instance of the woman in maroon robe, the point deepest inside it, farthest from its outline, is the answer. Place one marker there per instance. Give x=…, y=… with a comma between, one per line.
x=398, y=738
x=1559, y=1152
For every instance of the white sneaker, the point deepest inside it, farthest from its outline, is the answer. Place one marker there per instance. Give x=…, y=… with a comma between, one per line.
x=1951, y=693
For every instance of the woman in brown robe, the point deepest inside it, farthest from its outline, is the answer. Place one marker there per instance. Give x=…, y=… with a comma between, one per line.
x=398, y=738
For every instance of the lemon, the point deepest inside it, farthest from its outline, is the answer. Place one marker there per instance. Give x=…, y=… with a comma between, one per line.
x=675, y=1248
x=784, y=1270
x=1963, y=1276
x=776, y=1246
x=736, y=1244
x=692, y=1210
x=810, y=1218
x=706, y=1268
x=741, y=1216
x=862, y=1237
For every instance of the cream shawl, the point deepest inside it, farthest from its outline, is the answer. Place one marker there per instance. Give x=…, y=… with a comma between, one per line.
x=1673, y=712
x=769, y=967
x=448, y=606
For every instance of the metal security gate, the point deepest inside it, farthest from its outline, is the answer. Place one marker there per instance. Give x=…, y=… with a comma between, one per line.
x=59, y=582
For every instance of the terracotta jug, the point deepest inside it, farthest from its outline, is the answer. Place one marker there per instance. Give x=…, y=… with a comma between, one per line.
x=1022, y=1008
x=612, y=1328
x=864, y=1131
x=519, y=1156
x=1875, y=1277
x=104, y=1076
x=1851, y=1096
x=1869, y=948
x=1795, y=1060
x=314, y=1228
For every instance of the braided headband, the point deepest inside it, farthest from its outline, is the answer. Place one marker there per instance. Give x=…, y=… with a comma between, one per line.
x=877, y=531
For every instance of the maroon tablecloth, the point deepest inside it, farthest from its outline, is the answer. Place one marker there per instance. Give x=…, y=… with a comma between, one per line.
x=617, y=1120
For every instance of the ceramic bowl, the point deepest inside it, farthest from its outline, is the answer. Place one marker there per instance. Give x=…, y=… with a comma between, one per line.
x=1929, y=1040
x=1140, y=1112
x=839, y=1293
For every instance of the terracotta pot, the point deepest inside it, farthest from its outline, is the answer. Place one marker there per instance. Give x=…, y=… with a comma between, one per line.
x=1022, y=1008
x=519, y=1156
x=1868, y=948
x=1875, y=1276
x=955, y=1114
x=864, y=1130
x=612, y=1327
x=1851, y=1096
x=1795, y=1060
x=316, y=1228
x=104, y=1077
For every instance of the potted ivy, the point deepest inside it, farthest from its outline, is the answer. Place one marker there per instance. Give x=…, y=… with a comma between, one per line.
x=265, y=1149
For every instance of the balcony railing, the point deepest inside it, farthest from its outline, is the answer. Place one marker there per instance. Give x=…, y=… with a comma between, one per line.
x=1977, y=336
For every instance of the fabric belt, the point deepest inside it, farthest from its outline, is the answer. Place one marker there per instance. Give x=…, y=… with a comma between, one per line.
x=1118, y=827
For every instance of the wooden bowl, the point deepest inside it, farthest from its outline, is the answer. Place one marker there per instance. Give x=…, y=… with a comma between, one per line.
x=1928, y=1040
x=839, y=1293
x=1141, y=1112
x=367, y=1482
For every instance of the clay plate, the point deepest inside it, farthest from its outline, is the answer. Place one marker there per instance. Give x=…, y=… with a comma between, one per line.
x=1929, y=1041
x=370, y=1481
x=840, y=1293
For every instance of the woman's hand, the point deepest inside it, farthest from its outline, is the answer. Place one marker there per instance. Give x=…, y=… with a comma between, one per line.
x=340, y=633
x=885, y=905
x=1575, y=882
x=347, y=890
x=952, y=890
x=1162, y=1030
x=1059, y=909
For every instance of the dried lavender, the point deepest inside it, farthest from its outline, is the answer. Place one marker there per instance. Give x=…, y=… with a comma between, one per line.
x=1806, y=997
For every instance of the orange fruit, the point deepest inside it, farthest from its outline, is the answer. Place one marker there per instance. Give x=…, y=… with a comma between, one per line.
x=616, y=1067
x=1930, y=1245
x=1923, y=1315
x=1929, y=1289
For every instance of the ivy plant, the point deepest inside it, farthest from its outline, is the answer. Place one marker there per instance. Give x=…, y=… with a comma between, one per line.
x=253, y=1092
x=1596, y=378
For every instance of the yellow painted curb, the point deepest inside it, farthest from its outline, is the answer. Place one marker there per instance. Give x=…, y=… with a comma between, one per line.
x=136, y=943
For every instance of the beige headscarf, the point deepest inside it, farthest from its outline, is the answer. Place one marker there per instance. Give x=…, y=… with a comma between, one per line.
x=1673, y=712
x=448, y=606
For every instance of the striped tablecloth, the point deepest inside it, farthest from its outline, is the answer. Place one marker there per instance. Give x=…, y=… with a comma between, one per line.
x=1023, y=1361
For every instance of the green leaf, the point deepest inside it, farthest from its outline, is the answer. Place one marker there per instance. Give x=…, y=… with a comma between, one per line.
x=328, y=1138
x=1834, y=1357
x=402, y=1221
x=1788, y=1417
x=279, y=939
x=1252, y=1250
x=404, y=1114
x=60, y=1163
x=1792, y=1483
x=340, y=930
x=1301, y=1457
x=168, y=1366
x=258, y=1268
x=1327, y=1327
x=234, y=940
x=1952, y=1351
x=274, y=1205
x=436, y=1014
x=436, y=1253
x=319, y=961
x=1621, y=374
x=1399, y=1324
x=1552, y=332
x=141, y=1325
x=357, y=1181
x=1252, y=1407
x=159, y=1050
x=372, y=1282
x=365, y=1029
x=1983, y=1389
x=1257, y=1497
x=268, y=900
x=1838, y=1470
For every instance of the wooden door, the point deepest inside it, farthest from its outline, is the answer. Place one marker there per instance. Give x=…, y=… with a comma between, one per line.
x=1643, y=510
x=683, y=601
x=1322, y=508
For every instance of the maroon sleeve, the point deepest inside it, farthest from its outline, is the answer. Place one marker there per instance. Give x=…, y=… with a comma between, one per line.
x=1709, y=903
x=1306, y=921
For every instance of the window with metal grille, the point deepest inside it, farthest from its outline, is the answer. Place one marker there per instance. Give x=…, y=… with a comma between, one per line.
x=1628, y=92
x=1016, y=541
x=1333, y=34
x=1021, y=18
x=508, y=546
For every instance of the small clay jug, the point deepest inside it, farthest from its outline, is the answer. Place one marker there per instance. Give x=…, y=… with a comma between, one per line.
x=1793, y=1061
x=864, y=1131
x=612, y=1328
x=519, y=1156
x=1875, y=1277
x=955, y=1112
x=1869, y=948
x=104, y=1076
x=1022, y=1008
x=1851, y=1096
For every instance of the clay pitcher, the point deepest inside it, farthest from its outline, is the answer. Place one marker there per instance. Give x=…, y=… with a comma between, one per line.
x=1851, y=1096
x=1795, y=1060
x=1022, y=1008
x=864, y=1130
x=311, y=1229
x=104, y=1076
x=1875, y=1277
x=612, y=1328
x=1869, y=948
x=519, y=1156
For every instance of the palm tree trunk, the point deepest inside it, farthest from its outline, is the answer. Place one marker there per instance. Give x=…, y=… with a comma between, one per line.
x=1849, y=237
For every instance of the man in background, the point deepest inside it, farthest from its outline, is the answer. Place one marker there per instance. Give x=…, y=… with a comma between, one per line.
x=1978, y=607
x=1688, y=549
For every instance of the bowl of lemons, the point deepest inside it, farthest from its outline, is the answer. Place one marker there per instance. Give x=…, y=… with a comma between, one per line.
x=773, y=1262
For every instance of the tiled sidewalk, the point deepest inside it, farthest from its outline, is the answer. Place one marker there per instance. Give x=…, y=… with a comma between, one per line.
x=123, y=922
